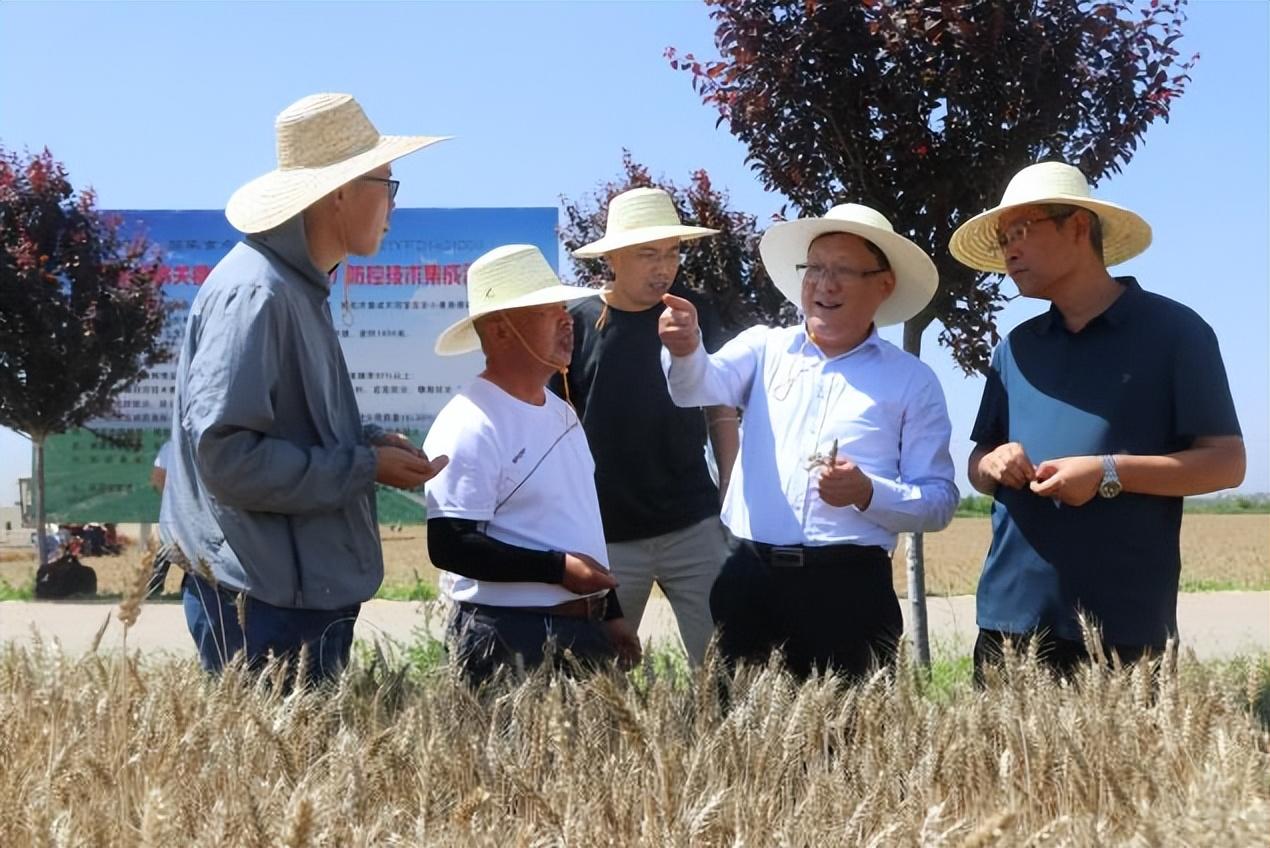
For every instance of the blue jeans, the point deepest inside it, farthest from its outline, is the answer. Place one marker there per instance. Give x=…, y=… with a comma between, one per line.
x=483, y=638
x=212, y=616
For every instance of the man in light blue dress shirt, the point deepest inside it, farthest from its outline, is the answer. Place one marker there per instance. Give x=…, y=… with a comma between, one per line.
x=844, y=444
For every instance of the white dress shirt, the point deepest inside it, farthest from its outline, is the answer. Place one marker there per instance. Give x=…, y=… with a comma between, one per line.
x=885, y=408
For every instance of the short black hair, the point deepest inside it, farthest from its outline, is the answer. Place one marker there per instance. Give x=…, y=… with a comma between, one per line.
x=1065, y=210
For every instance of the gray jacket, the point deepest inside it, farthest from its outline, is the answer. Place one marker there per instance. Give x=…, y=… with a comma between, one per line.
x=272, y=476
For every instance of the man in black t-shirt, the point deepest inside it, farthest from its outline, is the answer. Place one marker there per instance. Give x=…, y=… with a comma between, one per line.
x=659, y=503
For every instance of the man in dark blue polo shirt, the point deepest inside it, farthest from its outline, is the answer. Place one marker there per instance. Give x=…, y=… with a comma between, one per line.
x=1098, y=417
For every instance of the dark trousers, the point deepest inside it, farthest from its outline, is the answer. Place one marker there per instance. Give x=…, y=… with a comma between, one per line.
x=484, y=638
x=1063, y=657
x=836, y=611
x=213, y=619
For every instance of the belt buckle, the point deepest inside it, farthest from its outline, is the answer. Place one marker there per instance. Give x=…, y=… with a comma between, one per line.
x=786, y=557
x=595, y=607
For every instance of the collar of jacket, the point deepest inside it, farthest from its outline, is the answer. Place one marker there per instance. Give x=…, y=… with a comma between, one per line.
x=288, y=244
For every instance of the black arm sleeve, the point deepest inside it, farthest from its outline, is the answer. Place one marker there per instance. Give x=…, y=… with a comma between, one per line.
x=458, y=545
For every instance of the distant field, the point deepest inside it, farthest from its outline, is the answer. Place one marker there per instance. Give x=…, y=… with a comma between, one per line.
x=1218, y=552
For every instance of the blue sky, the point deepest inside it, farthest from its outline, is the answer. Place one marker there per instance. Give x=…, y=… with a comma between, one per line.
x=167, y=106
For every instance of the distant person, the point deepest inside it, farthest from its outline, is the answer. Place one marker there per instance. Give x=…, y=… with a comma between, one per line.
x=270, y=493
x=1098, y=417
x=163, y=552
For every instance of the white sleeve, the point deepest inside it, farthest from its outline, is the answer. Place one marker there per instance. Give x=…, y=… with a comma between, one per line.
x=468, y=486
x=925, y=497
x=721, y=379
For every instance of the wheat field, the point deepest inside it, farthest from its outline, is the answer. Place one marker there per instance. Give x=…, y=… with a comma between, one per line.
x=118, y=749
x=107, y=750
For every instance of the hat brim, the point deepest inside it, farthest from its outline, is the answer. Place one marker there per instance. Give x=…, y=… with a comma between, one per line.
x=785, y=245
x=460, y=337
x=268, y=200
x=642, y=235
x=1125, y=233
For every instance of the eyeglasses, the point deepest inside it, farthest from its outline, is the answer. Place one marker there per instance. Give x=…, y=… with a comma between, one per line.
x=1018, y=231
x=393, y=185
x=814, y=274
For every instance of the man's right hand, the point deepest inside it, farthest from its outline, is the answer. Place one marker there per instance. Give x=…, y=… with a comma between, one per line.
x=677, y=326
x=584, y=576
x=405, y=469
x=1008, y=465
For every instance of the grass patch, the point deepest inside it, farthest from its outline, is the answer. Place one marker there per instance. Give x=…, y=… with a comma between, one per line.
x=949, y=678
x=419, y=590
x=1234, y=504
x=1200, y=584
x=974, y=506
x=21, y=592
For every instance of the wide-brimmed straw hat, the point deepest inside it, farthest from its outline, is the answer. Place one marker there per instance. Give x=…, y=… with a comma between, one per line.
x=785, y=245
x=323, y=141
x=506, y=277
x=640, y=216
x=1124, y=233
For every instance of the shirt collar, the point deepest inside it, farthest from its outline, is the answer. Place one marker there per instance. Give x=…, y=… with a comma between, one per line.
x=1116, y=314
x=805, y=344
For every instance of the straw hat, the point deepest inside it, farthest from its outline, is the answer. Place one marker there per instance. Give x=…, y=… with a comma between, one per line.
x=507, y=277
x=785, y=245
x=1124, y=233
x=640, y=216
x=323, y=141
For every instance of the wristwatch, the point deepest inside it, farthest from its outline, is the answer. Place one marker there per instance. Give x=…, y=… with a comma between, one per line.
x=1110, y=485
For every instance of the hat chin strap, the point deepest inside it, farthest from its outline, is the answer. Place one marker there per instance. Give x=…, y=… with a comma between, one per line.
x=563, y=370
x=346, y=306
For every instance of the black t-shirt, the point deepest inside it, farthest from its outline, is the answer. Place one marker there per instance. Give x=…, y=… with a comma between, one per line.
x=650, y=466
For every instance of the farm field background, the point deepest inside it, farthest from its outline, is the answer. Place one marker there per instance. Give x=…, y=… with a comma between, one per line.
x=1219, y=552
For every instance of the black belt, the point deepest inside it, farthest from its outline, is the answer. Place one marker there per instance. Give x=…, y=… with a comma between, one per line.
x=806, y=556
x=588, y=608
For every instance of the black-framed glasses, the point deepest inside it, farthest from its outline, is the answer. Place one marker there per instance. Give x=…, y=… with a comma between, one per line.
x=1018, y=231
x=815, y=274
x=393, y=185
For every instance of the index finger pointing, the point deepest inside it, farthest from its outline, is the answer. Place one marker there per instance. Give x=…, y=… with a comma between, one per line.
x=678, y=304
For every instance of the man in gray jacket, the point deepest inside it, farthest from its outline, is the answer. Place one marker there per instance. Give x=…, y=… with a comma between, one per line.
x=271, y=491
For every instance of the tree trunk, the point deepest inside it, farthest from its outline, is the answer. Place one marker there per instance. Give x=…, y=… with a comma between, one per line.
x=37, y=491
x=913, y=557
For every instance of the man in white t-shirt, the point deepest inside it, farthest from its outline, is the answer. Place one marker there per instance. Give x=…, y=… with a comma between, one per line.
x=513, y=520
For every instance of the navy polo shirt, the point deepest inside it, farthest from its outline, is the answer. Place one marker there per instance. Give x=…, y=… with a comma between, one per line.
x=1145, y=377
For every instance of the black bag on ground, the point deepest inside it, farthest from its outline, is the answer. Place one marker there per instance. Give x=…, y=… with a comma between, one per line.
x=64, y=577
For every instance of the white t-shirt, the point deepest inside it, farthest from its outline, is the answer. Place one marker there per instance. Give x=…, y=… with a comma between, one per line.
x=527, y=472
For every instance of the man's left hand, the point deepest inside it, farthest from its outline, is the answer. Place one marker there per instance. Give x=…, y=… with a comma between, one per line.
x=844, y=484
x=1072, y=480
x=625, y=642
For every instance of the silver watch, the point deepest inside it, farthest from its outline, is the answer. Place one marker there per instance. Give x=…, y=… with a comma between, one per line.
x=1110, y=485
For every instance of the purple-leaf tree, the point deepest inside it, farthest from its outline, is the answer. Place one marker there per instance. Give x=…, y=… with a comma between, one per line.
x=81, y=312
